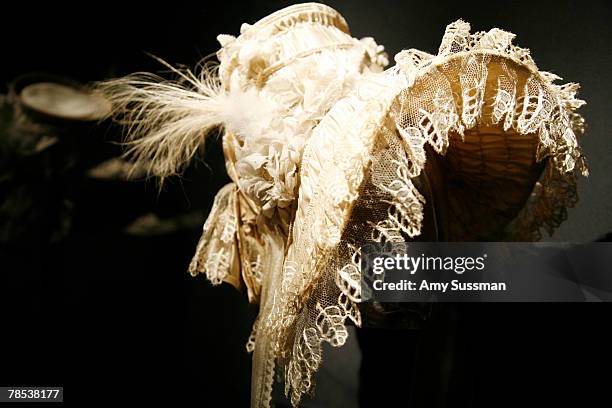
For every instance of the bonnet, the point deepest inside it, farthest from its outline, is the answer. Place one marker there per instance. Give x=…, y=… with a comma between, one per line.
x=326, y=149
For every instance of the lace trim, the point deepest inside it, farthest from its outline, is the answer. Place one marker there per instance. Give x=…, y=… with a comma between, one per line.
x=546, y=207
x=531, y=105
x=405, y=211
x=250, y=345
x=332, y=172
x=216, y=248
x=539, y=106
x=329, y=326
x=425, y=111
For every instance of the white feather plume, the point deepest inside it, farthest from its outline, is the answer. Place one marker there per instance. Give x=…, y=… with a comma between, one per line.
x=167, y=121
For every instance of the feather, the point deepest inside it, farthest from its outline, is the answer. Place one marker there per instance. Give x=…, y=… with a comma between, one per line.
x=167, y=121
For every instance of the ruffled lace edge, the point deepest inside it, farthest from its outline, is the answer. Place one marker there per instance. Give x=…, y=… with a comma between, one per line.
x=550, y=113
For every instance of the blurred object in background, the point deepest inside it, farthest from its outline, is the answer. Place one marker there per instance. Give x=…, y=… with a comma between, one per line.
x=89, y=248
x=64, y=102
x=49, y=133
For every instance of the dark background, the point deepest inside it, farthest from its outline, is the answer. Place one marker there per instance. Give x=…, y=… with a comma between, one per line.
x=116, y=317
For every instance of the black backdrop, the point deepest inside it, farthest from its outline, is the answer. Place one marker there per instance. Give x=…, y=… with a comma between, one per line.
x=114, y=318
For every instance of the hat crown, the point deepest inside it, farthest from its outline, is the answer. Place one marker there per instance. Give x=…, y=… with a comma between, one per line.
x=277, y=39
